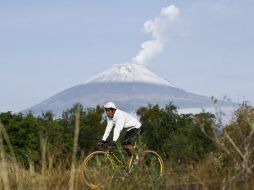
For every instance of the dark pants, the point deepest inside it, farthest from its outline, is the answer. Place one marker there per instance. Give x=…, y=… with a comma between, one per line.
x=130, y=136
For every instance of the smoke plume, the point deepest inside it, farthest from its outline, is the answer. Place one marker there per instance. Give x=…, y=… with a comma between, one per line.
x=159, y=30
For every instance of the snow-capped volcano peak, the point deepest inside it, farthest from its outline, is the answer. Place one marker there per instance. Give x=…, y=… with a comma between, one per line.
x=128, y=72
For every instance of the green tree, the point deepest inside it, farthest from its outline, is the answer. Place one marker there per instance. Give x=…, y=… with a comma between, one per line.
x=176, y=136
x=23, y=132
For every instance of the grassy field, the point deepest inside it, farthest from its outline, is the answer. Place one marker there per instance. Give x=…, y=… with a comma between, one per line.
x=201, y=176
x=14, y=176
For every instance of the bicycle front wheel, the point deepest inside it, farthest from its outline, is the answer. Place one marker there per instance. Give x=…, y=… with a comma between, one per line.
x=97, y=169
x=152, y=163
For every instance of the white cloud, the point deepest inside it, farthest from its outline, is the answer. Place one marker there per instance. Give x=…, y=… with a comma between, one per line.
x=159, y=30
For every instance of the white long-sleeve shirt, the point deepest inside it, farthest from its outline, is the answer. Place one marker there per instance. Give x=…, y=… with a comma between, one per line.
x=121, y=120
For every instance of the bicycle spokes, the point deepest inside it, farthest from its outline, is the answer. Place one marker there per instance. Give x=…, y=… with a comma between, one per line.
x=98, y=170
x=152, y=164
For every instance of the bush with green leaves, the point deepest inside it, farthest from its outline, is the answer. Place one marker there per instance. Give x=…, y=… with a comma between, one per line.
x=175, y=136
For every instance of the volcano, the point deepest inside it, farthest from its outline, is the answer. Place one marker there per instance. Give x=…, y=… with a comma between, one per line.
x=130, y=86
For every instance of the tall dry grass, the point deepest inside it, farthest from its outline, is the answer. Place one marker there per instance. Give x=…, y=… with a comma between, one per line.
x=232, y=165
x=14, y=176
x=75, y=147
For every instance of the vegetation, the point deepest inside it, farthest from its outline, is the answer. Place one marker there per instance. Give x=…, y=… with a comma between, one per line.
x=176, y=136
x=194, y=149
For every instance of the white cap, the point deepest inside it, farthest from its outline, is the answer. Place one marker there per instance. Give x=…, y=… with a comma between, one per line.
x=110, y=105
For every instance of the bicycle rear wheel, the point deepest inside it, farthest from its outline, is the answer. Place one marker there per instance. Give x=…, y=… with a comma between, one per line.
x=152, y=163
x=97, y=169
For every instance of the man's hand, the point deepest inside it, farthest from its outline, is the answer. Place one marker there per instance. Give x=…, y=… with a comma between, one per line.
x=102, y=142
x=112, y=144
x=106, y=144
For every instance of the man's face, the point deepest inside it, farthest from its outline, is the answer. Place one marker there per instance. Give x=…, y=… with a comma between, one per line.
x=110, y=113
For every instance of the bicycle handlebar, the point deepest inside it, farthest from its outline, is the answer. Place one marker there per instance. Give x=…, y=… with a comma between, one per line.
x=106, y=144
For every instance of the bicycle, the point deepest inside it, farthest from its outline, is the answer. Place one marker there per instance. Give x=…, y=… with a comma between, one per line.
x=101, y=167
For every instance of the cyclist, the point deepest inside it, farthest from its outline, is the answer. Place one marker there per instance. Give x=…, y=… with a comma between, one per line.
x=121, y=120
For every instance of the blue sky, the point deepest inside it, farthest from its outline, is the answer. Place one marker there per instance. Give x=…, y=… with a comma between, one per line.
x=48, y=46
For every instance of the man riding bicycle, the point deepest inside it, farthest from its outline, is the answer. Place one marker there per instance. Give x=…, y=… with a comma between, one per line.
x=99, y=163
x=121, y=120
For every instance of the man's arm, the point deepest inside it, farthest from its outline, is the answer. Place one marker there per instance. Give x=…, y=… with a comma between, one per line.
x=118, y=127
x=108, y=130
